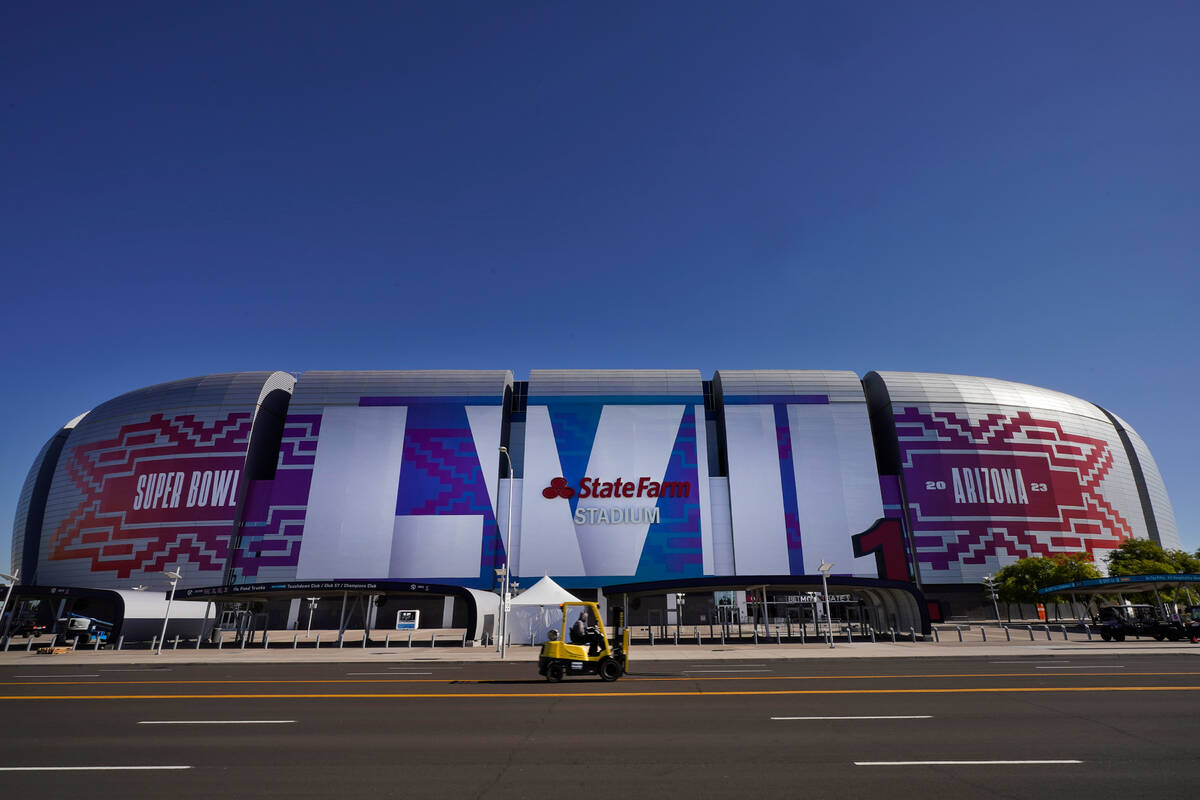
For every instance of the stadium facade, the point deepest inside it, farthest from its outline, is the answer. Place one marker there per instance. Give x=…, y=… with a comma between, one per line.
x=648, y=478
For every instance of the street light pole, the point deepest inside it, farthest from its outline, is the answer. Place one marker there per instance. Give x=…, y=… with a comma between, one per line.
x=12, y=581
x=824, y=569
x=174, y=576
x=990, y=582
x=507, y=556
x=312, y=606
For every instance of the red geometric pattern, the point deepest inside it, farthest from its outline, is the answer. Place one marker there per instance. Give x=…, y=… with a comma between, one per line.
x=105, y=527
x=1062, y=508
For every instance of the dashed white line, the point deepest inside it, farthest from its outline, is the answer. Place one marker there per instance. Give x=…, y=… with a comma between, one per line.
x=80, y=769
x=961, y=763
x=216, y=721
x=706, y=671
x=73, y=675
x=389, y=673
x=1090, y=666
x=898, y=716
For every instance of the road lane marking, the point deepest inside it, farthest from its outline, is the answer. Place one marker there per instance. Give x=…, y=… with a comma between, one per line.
x=81, y=675
x=138, y=669
x=1089, y=666
x=895, y=716
x=962, y=763
x=78, y=769
x=470, y=695
x=389, y=673
x=216, y=722
x=707, y=671
x=633, y=678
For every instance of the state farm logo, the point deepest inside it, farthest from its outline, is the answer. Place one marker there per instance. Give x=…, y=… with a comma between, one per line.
x=558, y=488
x=594, y=487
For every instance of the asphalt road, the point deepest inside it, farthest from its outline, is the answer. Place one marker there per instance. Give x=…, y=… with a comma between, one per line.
x=1102, y=726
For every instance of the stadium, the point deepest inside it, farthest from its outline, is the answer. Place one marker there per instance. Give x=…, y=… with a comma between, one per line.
x=660, y=492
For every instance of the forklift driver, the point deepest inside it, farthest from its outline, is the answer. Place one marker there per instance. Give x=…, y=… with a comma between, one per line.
x=583, y=633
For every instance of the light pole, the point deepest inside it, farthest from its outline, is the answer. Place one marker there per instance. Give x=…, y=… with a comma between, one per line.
x=12, y=581
x=507, y=555
x=824, y=570
x=312, y=606
x=174, y=576
x=990, y=582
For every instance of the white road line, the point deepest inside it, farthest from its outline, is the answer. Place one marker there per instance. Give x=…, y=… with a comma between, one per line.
x=897, y=716
x=696, y=671
x=1027, y=661
x=139, y=669
x=216, y=722
x=78, y=769
x=72, y=675
x=726, y=664
x=1090, y=666
x=389, y=673
x=960, y=763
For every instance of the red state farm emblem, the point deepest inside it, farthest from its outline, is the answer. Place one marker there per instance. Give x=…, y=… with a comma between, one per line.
x=558, y=488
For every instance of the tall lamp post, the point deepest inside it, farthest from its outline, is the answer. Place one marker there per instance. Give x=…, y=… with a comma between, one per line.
x=174, y=576
x=12, y=581
x=989, y=581
x=824, y=569
x=507, y=556
x=312, y=606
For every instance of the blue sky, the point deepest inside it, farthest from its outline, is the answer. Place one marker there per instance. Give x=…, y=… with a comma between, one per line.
x=1007, y=191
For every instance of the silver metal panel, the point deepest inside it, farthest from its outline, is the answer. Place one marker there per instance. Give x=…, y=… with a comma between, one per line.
x=1164, y=514
x=930, y=387
x=330, y=388
x=837, y=385
x=609, y=382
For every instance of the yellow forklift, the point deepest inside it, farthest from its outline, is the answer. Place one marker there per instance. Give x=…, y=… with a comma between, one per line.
x=582, y=647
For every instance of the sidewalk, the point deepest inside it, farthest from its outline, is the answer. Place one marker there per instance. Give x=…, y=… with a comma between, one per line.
x=421, y=651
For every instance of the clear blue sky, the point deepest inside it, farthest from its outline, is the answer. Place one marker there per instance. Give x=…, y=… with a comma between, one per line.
x=1007, y=191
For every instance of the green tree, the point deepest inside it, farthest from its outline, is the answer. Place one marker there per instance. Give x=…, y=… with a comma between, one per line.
x=1139, y=557
x=1019, y=582
x=1184, y=562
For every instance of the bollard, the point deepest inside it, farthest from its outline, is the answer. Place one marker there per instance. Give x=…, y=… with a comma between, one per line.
x=1088, y=629
x=936, y=638
x=266, y=640
x=676, y=636
x=74, y=643
x=1063, y=628
x=295, y=641
x=893, y=632
x=387, y=641
x=802, y=635
x=410, y=635
x=433, y=639
x=1030, y=627
x=1047, y=627
x=154, y=642
x=530, y=639
x=96, y=644
x=317, y=644
x=366, y=638
x=983, y=632
x=341, y=638
x=959, y=632
x=912, y=634
x=7, y=642
x=29, y=643
x=698, y=642
x=788, y=622
x=244, y=638
x=756, y=634
x=1007, y=634
x=220, y=639
x=778, y=640
x=650, y=633
x=121, y=642
x=199, y=638
x=722, y=635
x=176, y=645
x=464, y=639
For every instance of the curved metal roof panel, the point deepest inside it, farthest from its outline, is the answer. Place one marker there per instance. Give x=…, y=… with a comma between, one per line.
x=610, y=382
x=931, y=387
x=837, y=385
x=347, y=387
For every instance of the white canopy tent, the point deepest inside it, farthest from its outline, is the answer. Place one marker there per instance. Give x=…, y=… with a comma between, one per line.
x=534, y=612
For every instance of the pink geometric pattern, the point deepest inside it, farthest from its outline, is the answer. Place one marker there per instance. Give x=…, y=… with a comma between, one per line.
x=1059, y=506
x=109, y=529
